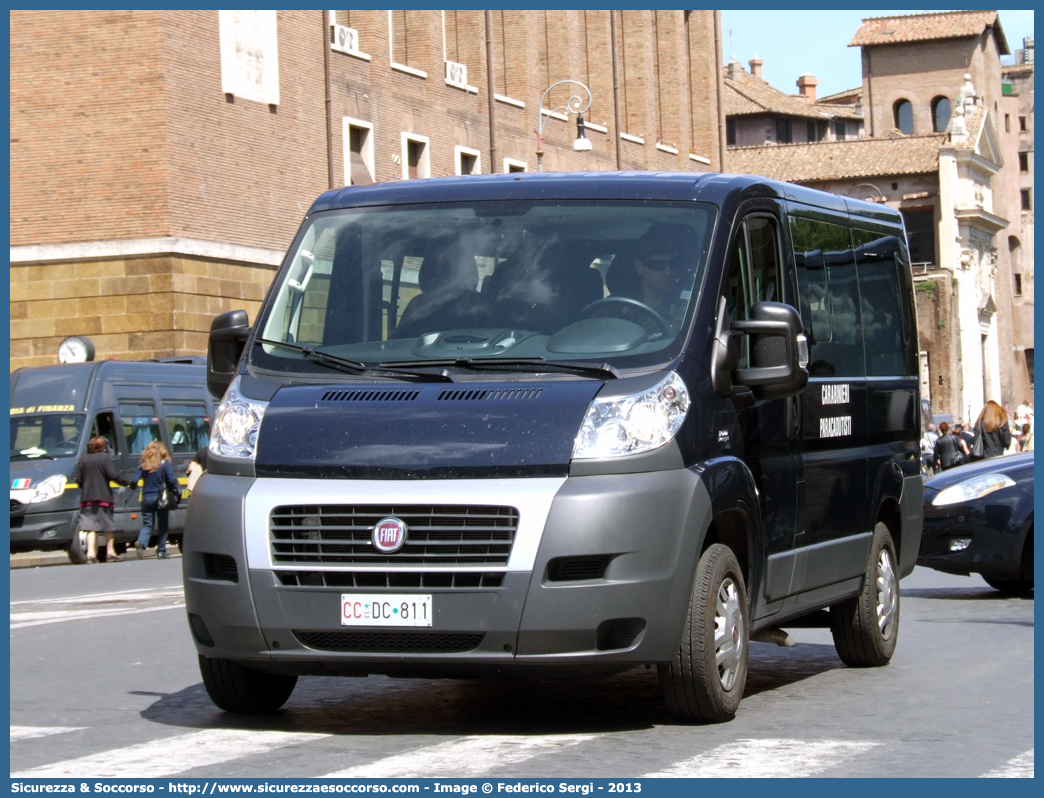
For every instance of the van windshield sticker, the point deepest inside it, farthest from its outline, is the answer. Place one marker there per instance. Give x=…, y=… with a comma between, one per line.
x=835, y=427
x=835, y=394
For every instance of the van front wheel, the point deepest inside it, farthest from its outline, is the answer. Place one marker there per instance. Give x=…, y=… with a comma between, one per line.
x=77, y=548
x=865, y=628
x=705, y=680
x=237, y=688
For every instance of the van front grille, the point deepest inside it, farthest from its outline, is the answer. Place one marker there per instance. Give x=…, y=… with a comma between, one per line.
x=391, y=580
x=436, y=535
x=392, y=642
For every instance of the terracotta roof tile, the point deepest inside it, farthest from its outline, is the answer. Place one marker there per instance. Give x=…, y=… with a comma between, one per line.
x=922, y=27
x=849, y=94
x=836, y=160
x=747, y=95
x=1016, y=69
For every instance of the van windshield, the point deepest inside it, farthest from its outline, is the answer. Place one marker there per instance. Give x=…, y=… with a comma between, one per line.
x=49, y=435
x=544, y=280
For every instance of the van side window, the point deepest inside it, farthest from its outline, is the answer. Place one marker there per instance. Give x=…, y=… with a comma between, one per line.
x=140, y=425
x=188, y=426
x=105, y=426
x=753, y=274
x=764, y=259
x=829, y=297
x=737, y=289
x=879, y=258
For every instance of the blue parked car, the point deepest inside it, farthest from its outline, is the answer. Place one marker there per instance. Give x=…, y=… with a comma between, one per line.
x=978, y=518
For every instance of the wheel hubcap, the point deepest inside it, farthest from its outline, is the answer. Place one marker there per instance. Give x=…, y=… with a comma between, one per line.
x=728, y=633
x=887, y=594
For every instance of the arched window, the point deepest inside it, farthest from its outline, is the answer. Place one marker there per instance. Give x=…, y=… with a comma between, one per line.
x=940, y=114
x=903, y=113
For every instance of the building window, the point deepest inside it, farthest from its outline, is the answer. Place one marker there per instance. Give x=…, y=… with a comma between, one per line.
x=940, y=114
x=821, y=130
x=1026, y=204
x=1018, y=285
x=730, y=132
x=406, y=31
x=810, y=131
x=840, y=131
x=468, y=161
x=1023, y=161
x=1022, y=124
x=1007, y=123
x=902, y=114
x=783, y=134
x=415, y=161
x=920, y=233
x=511, y=165
x=358, y=152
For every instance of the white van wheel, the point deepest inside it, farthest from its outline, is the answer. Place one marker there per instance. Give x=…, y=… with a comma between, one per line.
x=77, y=548
x=704, y=682
x=865, y=628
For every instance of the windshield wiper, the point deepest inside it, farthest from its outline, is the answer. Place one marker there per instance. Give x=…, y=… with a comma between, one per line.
x=534, y=365
x=350, y=366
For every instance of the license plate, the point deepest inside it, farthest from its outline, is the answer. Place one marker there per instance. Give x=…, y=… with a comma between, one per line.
x=383, y=609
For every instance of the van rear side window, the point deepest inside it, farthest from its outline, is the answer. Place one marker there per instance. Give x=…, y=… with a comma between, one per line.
x=140, y=425
x=879, y=258
x=188, y=426
x=829, y=294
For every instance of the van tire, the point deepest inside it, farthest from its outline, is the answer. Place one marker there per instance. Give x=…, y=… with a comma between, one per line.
x=77, y=548
x=237, y=688
x=865, y=628
x=693, y=687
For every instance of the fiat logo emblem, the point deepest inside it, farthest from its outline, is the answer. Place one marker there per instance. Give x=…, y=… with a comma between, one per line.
x=389, y=535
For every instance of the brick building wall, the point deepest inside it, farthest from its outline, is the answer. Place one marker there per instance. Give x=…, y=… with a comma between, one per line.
x=145, y=198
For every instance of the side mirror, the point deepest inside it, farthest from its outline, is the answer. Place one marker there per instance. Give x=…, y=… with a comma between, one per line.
x=778, y=352
x=228, y=335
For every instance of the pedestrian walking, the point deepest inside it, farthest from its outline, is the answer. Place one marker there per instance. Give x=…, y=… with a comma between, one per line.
x=1025, y=438
x=157, y=476
x=991, y=427
x=950, y=449
x=197, y=468
x=93, y=473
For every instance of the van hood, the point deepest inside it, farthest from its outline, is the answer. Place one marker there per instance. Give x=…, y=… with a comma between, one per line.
x=423, y=431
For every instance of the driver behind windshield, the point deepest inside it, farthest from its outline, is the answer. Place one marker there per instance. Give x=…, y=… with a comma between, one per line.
x=653, y=274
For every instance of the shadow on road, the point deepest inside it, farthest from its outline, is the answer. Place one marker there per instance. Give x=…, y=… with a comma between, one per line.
x=962, y=594
x=380, y=705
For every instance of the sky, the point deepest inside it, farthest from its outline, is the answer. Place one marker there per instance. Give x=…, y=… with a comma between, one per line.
x=792, y=43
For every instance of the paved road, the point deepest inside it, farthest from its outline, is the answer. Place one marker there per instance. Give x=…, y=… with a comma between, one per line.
x=104, y=682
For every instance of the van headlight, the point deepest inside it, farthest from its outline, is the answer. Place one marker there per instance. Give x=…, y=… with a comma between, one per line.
x=971, y=489
x=236, y=425
x=622, y=425
x=50, y=488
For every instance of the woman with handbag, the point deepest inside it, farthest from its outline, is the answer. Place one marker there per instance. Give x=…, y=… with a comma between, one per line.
x=992, y=434
x=160, y=494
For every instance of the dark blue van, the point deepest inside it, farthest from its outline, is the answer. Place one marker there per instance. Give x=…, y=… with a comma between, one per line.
x=55, y=410
x=560, y=423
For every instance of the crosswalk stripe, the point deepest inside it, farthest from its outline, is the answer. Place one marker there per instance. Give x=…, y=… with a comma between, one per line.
x=32, y=732
x=1021, y=767
x=766, y=758
x=174, y=591
x=20, y=620
x=467, y=756
x=171, y=755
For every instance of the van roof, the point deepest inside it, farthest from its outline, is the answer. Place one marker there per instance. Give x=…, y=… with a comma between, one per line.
x=68, y=385
x=705, y=186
